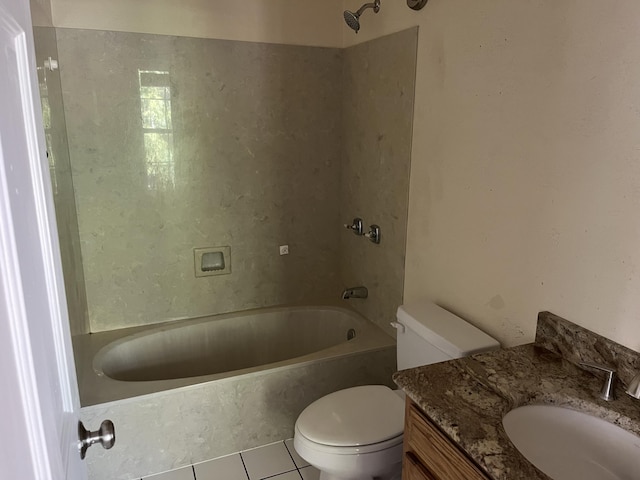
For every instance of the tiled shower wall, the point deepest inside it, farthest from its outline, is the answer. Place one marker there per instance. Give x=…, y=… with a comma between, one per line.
x=62, y=182
x=179, y=143
x=378, y=94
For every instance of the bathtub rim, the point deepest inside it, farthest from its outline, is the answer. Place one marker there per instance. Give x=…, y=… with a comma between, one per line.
x=98, y=389
x=104, y=352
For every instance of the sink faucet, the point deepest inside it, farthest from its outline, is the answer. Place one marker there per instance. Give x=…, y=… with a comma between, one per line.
x=607, y=388
x=634, y=387
x=355, y=292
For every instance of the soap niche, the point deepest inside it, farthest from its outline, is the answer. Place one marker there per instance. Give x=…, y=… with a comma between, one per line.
x=212, y=261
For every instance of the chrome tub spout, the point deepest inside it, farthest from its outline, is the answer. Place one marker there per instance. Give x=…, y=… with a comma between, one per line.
x=355, y=292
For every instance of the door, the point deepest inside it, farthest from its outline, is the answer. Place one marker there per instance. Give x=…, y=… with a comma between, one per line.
x=38, y=391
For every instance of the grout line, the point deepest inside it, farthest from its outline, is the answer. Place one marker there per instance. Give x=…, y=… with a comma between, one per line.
x=246, y=472
x=281, y=473
x=292, y=459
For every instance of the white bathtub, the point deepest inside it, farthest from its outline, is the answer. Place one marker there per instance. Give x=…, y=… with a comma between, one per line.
x=188, y=391
x=125, y=363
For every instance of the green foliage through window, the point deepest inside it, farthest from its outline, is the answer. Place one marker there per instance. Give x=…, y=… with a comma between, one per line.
x=155, y=109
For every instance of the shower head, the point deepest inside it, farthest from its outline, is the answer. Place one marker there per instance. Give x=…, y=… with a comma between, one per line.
x=353, y=18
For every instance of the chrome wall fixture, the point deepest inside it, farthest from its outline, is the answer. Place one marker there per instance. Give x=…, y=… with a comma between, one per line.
x=416, y=4
x=357, y=227
x=353, y=18
x=355, y=292
x=373, y=234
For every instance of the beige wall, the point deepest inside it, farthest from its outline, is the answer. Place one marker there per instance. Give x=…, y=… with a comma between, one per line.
x=41, y=13
x=298, y=22
x=525, y=180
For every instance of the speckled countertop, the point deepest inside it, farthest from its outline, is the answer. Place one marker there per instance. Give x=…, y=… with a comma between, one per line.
x=467, y=398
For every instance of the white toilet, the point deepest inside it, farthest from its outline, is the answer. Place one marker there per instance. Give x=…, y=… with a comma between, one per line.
x=356, y=434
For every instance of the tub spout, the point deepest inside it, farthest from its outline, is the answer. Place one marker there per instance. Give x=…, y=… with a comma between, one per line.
x=355, y=292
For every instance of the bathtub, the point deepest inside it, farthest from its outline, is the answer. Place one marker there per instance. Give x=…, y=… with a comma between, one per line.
x=191, y=390
x=142, y=360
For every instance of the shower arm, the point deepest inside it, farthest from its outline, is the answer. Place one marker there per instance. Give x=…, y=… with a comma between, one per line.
x=375, y=5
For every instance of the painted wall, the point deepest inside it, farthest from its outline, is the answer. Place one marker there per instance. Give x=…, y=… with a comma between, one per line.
x=61, y=178
x=377, y=97
x=41, y=15
x=525, y=175
x=179, y=143
x=297, y=22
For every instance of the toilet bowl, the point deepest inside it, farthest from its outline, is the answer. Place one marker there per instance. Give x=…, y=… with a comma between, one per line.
x=356, y=433
x=345, y=436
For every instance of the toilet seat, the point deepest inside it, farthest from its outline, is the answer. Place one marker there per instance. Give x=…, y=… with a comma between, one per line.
x=356, y=420
x=303, y=442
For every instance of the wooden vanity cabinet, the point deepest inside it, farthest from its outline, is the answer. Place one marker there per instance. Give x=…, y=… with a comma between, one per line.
x=429, y=455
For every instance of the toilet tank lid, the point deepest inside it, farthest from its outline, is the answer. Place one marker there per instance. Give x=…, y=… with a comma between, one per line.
x=444, y=330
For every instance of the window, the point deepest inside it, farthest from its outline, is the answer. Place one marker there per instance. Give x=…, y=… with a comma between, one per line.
x=155, y=109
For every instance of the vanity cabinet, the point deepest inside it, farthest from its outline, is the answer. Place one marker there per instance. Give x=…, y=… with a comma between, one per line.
x=429, y=455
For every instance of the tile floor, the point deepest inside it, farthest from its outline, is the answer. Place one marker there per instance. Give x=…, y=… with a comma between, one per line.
x=277, y=461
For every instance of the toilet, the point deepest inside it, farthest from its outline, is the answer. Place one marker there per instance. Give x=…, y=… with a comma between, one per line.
x=356, y=433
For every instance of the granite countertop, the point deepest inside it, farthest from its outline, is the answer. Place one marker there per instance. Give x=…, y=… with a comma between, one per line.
x=468, y=398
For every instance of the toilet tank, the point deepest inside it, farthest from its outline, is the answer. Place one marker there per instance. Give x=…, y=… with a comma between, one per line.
x=431, y=334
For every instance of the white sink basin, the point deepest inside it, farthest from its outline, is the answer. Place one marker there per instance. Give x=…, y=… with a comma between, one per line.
x=570, y=445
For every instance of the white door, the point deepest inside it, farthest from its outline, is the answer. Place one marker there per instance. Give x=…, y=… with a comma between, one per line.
x=38, y=393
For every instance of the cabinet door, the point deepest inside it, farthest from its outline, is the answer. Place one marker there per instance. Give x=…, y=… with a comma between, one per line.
x=434, y=451
x=412, y=469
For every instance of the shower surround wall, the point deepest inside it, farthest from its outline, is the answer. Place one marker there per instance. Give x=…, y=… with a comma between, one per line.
x=180, y=143
x=378, y=93
x=61, y=178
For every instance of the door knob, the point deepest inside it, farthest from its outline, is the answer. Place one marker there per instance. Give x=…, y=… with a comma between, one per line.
x=105, y=435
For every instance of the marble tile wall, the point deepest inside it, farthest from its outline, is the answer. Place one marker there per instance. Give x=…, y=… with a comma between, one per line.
x=61, y=178
x=180, y=143
x=377, y=119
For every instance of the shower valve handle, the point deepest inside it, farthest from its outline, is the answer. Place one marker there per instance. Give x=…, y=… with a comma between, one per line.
x=357, y=226
x=373, y=234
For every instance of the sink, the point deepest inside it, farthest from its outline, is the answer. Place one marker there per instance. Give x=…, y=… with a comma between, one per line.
x=570, y=445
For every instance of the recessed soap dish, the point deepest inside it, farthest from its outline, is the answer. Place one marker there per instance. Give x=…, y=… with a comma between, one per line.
x=212, y=261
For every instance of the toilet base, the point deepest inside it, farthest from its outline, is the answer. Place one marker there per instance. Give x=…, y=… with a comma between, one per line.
x=395, y=473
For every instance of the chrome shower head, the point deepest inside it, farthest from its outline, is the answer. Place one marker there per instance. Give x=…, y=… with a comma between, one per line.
x=353, y=18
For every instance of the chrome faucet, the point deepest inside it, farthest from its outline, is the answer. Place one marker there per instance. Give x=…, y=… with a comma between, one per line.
x=607, y=388
x=355, y=292
x=634, y=387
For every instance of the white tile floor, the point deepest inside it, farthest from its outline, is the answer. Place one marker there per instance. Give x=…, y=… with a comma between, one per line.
x=277, y=461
